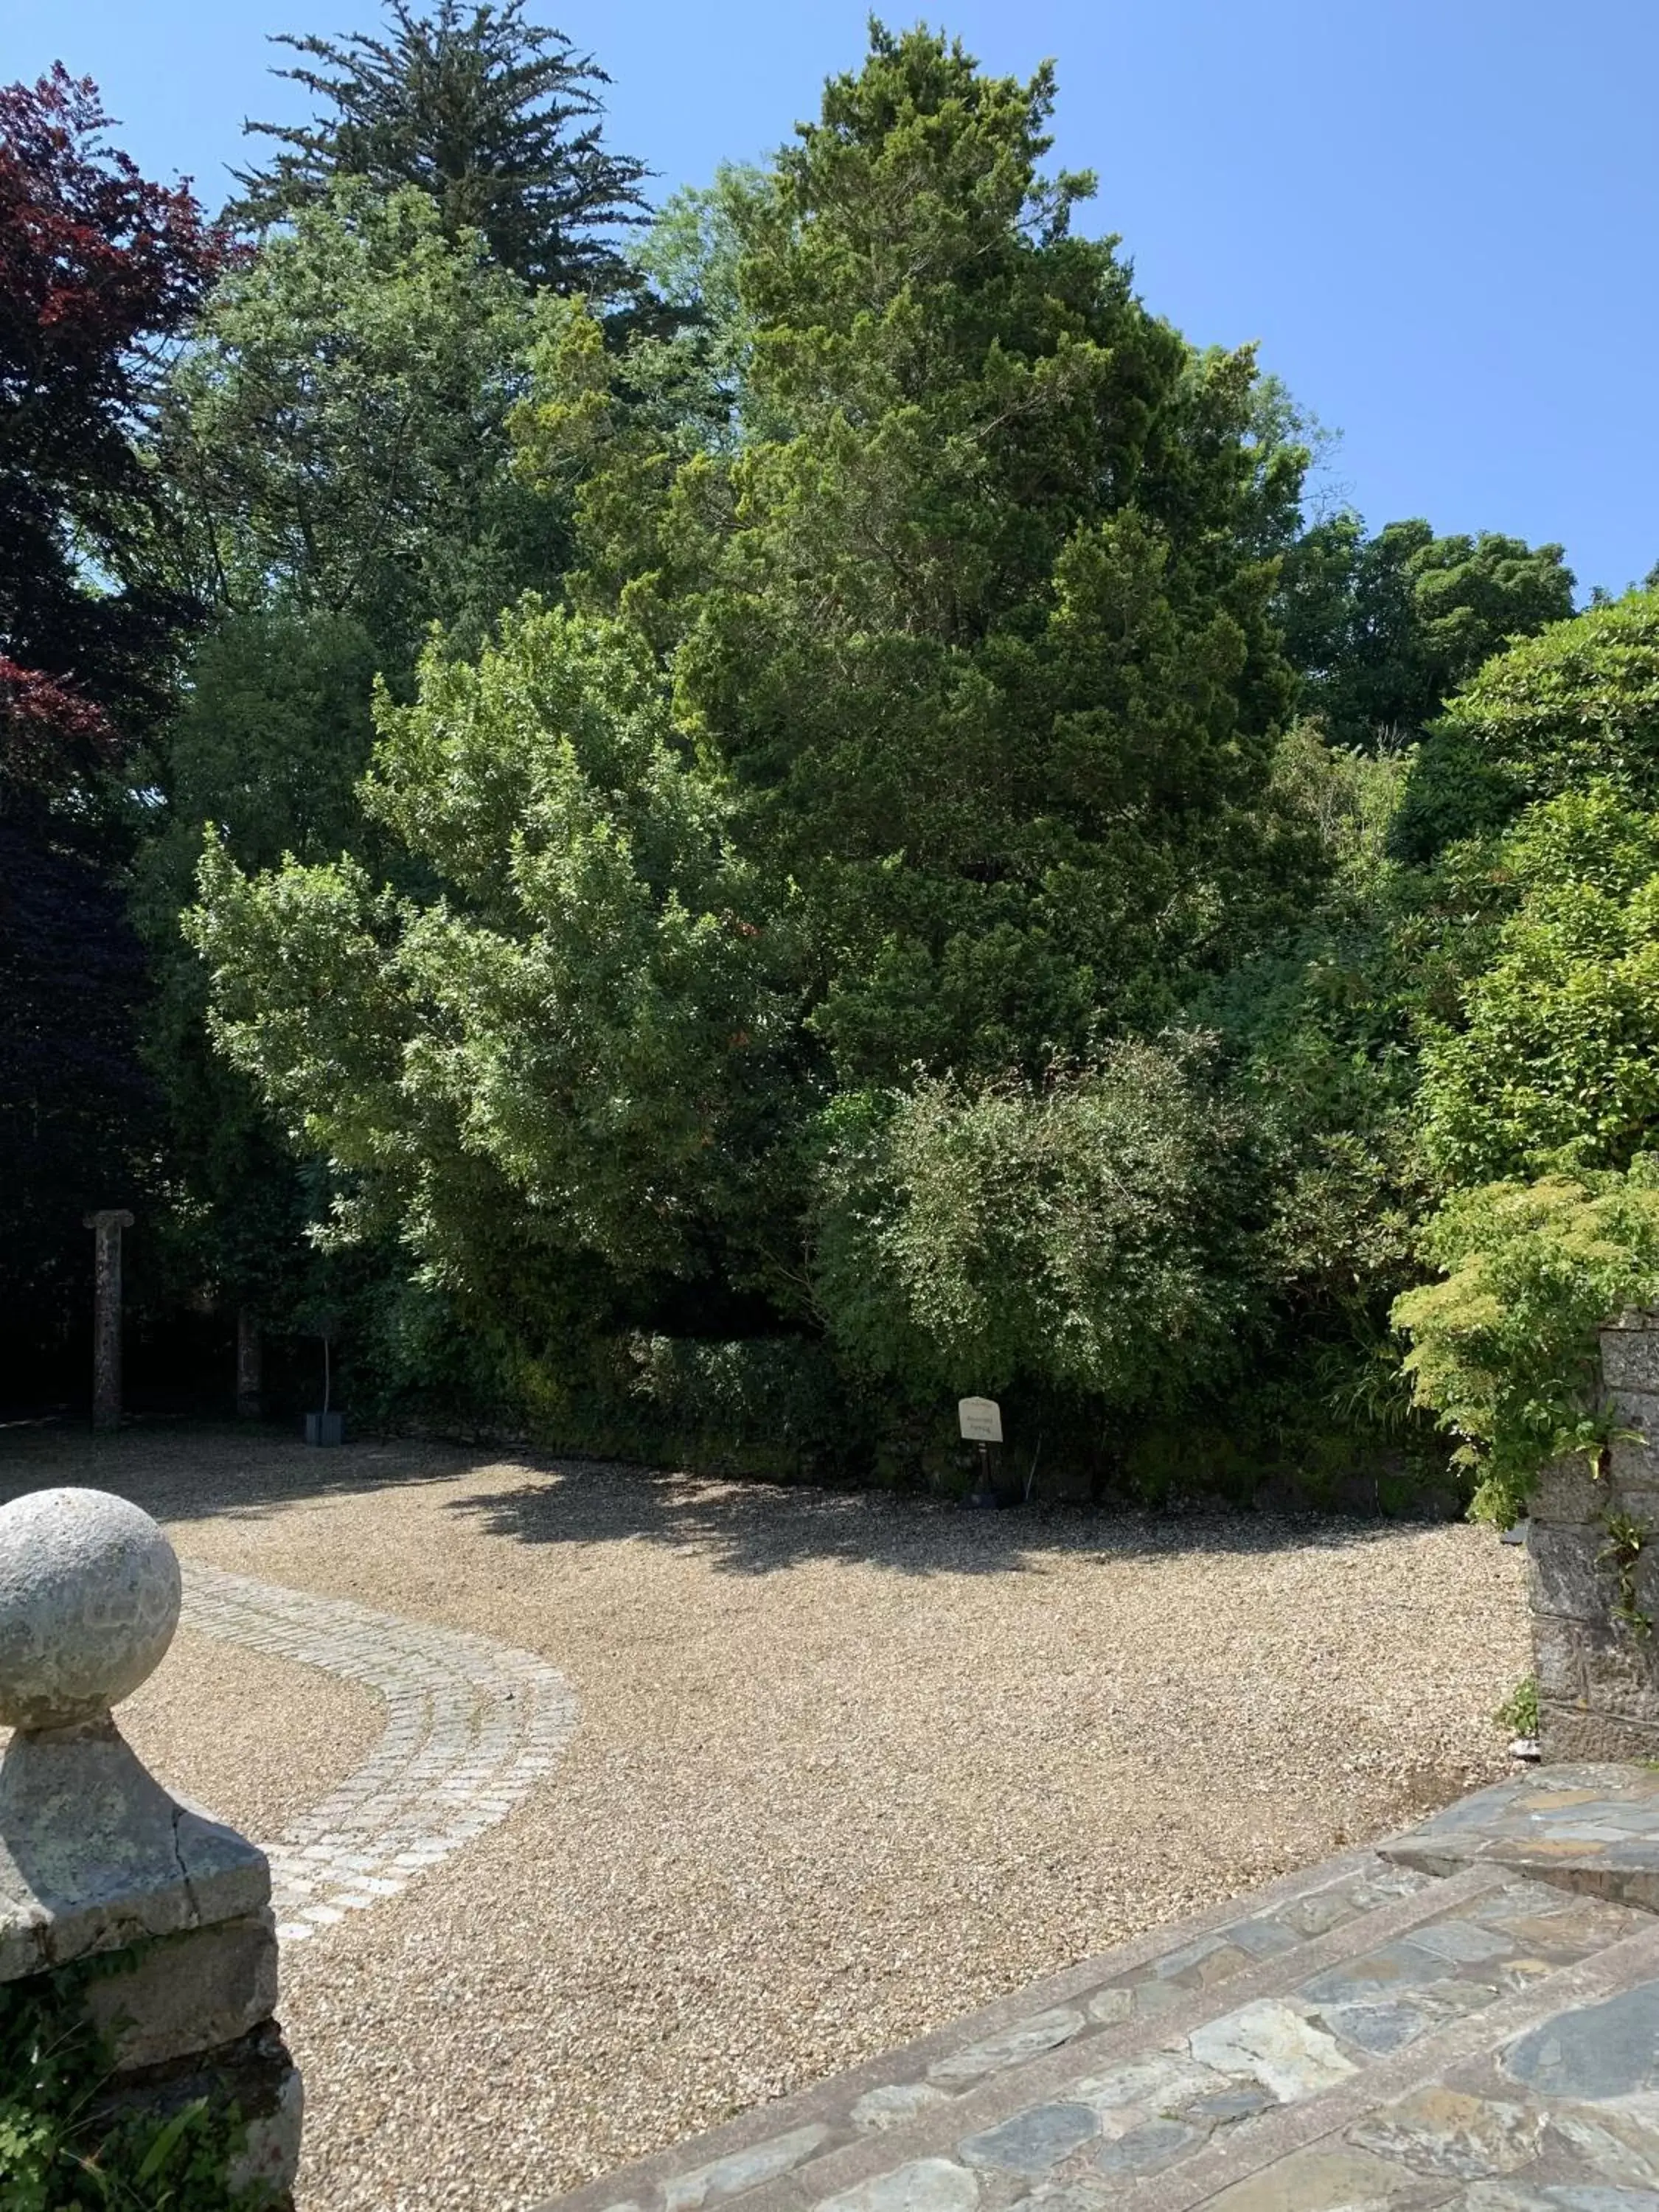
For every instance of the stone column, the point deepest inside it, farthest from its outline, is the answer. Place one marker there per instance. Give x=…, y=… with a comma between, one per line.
x=107, y=1226
x=1593, y=1542
x=249, y=1365
x=148, y=1921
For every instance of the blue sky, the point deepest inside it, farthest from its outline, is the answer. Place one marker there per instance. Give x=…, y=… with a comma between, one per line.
x=1439, y=218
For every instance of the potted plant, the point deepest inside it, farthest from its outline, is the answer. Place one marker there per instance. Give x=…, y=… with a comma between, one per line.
x=325, y=1426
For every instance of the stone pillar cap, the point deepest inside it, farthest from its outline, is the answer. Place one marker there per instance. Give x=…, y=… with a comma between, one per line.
x=95, y=1854
x=90, y=1597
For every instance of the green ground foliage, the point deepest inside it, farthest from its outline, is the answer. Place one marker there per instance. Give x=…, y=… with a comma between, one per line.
x=62, y=2150
x=767, y=820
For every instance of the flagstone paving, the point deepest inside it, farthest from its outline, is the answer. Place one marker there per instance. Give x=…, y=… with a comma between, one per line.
x=1596, y=1827
x=1466, y=2018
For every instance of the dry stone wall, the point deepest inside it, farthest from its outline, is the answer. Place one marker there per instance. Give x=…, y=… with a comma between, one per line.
x=1597, y=1659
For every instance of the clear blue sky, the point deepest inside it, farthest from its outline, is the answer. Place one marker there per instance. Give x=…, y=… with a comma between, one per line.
x=1440, y=218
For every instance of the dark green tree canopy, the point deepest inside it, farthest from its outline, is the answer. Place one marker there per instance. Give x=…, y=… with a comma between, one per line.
x=1576, y=704
x=975, y=612
x=500, y=120
x=1385, y=629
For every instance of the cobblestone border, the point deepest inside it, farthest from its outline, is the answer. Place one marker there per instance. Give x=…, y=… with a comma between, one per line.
x=472, y=1726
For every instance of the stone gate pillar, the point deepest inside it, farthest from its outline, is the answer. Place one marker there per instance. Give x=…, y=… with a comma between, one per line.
x=132, y=1914
x=1593, y=1542
x=250, y=1364
x=107, y=1226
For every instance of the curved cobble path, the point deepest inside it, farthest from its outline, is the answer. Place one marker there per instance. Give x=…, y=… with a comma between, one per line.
x=471, y=1726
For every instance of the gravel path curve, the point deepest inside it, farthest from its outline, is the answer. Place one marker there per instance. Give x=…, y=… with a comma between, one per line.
x=845, y=1766
x=471, y=1726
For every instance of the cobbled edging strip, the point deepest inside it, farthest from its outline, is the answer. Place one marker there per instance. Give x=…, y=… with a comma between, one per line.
x=472, y=1726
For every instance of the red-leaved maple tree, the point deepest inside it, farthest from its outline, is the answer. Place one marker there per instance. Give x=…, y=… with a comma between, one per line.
x=99, y=268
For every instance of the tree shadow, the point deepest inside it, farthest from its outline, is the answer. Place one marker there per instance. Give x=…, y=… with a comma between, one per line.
x=750, y=1527
x=740, y=1526
x=195, y=1470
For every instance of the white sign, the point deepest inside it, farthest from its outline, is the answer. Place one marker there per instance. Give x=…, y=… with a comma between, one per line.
x=980, y=1419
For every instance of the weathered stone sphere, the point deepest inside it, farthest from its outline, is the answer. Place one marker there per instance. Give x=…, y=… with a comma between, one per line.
x=89, y=1596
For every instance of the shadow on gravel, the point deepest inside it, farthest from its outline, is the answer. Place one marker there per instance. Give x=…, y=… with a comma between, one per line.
x=197, y=1470
x=748, y=1527
x=757, y=1529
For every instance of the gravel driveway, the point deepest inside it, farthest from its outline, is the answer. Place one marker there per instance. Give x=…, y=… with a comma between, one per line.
x=845, y=1766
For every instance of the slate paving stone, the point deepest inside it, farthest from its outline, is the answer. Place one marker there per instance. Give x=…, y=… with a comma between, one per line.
x=1620, y=2148
x=1601, y=1818
x=1394, y=1969
x=1602, y=2199
x=1103, y=2103
x=1460, y=1941
x=743, y=2169
x=894, y=2105
x=1149, y=2149
x=922, y=2185
x=1110, y=2007
x=1439, y=2131
x=1222, y=2106
x=1272, y=2045
x=1148, y=2087
x=1609, y=2049
x=1264, y=1939
x=1319, y=2181
x=1032, y=2142
x=1519, y=2196
x=1025, y=2039
x=1379, y=2028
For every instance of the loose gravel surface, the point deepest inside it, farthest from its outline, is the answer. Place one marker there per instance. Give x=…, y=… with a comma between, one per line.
x=845, y=1765
x=203, y=1721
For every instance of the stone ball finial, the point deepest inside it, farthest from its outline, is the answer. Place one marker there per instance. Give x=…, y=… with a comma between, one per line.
x=89, y=1595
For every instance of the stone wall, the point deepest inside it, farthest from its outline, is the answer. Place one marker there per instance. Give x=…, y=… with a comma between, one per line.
x=1598, y=1678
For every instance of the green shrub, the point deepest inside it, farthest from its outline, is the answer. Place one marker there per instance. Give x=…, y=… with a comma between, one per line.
x=776, y=1406
x=1519, y=1711
x=1452, y=792
x=1576, y=702
x=1505, y=1347
x=1084, y=1235
x=1558, y=1043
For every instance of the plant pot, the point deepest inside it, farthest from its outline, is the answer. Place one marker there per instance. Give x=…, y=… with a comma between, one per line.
x=325, y=1428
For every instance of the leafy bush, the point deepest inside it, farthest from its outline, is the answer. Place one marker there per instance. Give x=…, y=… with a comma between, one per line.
x=773, y=1406
x=1505, y=1347
x=1082, y=1234
x=1578, y=703
x=61, y=2151
x=1519, y=1711
x=1453, y=793
x=1559, y=1042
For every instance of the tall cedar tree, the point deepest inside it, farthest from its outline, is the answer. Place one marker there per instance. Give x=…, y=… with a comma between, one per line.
x=99, y=267
x=977, y=618
x=498, y=120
